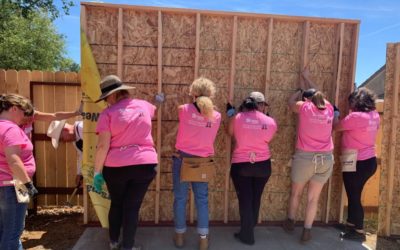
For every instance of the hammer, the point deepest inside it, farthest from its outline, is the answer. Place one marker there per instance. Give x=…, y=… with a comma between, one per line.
x=69, y=201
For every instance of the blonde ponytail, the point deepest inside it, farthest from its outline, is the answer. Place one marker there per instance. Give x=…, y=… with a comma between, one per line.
x=206, y=106
x=203, y=90
x=319, y=100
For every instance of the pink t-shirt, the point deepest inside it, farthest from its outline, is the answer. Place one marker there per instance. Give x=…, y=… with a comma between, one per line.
x=129, y=122
x=12, y=135
x=360, y=130
x=196, y=133
x=253, y=131
x=314, y=130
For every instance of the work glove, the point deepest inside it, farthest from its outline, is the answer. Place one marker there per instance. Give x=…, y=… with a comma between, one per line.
x=336, y=111
x=98, y=182
x=159, y=98
x=32, y=191
x=230, y=110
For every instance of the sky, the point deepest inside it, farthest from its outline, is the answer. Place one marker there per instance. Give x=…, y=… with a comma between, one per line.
x=380, y=21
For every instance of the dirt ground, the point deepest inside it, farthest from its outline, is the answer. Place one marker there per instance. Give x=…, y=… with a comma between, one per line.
x=55, y=228
x=59, y=228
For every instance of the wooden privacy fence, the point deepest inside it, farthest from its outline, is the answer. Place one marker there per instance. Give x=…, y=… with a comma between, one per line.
x=162, y=49
x=389, y=193
x=50, y=92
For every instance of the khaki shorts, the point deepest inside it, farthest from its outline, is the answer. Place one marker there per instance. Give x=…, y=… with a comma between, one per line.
x=316, y=166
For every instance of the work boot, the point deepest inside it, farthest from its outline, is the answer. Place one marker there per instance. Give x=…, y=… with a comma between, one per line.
x=203, y=242
x=306, y=235
x=288, y=225
x=178, y=240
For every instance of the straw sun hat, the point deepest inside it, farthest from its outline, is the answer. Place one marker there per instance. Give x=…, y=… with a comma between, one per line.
x=111, y=84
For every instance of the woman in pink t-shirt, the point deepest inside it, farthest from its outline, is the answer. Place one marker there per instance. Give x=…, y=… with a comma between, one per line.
x=359, y=128
x=16, y=163
x=251, y=160
x=198, y=127
x=312, y=162
x=125, y=156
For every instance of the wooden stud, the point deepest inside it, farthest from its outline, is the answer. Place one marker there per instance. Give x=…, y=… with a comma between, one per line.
x=337, y=77
x=231, y=86
x=83, y=18
x=159, y=117
x=268, y=70
x=354, y=55
x=269, y=54
x=197, y=51
x=120, y=44
x=392, y=149
x=304, y=53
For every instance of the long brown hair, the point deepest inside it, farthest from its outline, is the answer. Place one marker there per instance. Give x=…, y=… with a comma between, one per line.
x=362, y=100
x=7, y=101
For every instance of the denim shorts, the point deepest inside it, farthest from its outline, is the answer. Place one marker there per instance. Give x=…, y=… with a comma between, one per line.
x=316, y=166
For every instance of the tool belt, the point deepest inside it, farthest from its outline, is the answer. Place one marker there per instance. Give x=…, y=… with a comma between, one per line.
x=197, y=169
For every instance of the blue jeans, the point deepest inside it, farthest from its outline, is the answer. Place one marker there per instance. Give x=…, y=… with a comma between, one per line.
x=200, y=190
x=12, y=219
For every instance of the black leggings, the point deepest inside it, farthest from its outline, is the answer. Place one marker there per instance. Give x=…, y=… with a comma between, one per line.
x=127, y=186
x=249, y=181
x=354, y=183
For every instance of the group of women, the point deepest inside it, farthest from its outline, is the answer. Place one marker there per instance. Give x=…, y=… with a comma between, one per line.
x=126, y=158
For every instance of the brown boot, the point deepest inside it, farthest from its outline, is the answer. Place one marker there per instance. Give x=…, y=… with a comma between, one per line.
x=179, y=240
x=203, y=243
x=288, y=225
x=306, y=235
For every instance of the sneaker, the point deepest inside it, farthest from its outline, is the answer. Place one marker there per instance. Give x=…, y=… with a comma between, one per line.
x=179, y=240
x=288, y=225
x=353, y=235
x=306, y=235
x=203, y=242
x=114, y=246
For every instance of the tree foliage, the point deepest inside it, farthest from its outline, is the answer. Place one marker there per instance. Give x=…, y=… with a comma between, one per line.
x=32, y=41
x=28, y=7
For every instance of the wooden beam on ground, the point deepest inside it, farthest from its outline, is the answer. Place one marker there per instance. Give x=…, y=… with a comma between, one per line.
x=159, y=117
x=393, y=141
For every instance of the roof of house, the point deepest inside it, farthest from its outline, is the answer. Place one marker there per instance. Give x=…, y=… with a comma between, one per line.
x=376, y=82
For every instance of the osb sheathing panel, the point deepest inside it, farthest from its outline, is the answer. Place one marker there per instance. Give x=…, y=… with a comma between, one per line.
x=252, y=35
x=139, y=55
x=179, y=31
x=139, y=65
x=140, y=28
x=394, y=217
x=216, y=33
x=101, y=25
